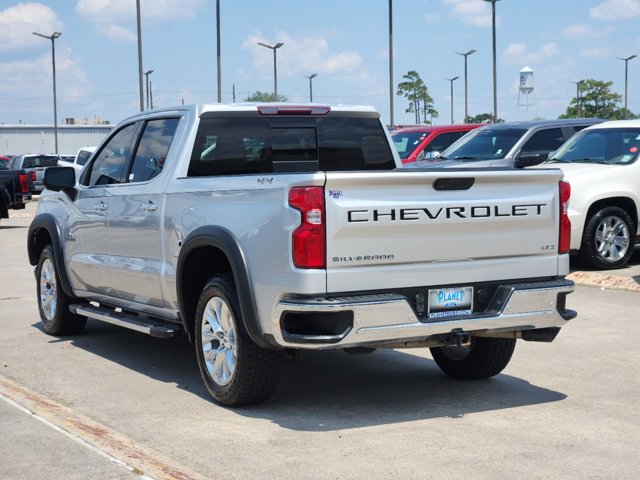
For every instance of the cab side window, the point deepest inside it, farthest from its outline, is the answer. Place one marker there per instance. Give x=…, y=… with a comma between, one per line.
x=544, y=141
x=108, y=167
x=152, y=151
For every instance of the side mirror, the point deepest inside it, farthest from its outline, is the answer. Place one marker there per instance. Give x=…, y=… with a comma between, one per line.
x=59, y=178
x=530, y=159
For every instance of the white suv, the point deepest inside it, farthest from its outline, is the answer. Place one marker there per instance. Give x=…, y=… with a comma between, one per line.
x=601, y=164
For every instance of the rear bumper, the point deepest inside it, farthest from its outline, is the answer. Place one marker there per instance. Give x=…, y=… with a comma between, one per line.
x=372, y=320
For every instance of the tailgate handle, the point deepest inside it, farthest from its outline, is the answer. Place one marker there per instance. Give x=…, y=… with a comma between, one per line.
x=453, y=183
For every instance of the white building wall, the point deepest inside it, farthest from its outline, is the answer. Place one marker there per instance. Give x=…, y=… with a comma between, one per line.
x=22, y=139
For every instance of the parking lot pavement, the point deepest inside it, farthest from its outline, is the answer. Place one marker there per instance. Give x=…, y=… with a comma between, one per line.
x=568, y=409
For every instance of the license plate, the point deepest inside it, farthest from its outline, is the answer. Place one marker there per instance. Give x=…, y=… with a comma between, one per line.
x=450, y=302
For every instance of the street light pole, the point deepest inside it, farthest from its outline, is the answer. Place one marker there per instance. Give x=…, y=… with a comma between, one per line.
x=626, y=77
x=139, y=26
x=391, y=91
x=218, y=51
x=53, y=37
x=495, y=74
x=451, y=80
x=275, y=67
x=577, y=98
x=146, y=74
x=311, y=77
x=465, y=55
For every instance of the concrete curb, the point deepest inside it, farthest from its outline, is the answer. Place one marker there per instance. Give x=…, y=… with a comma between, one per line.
x=605, y=281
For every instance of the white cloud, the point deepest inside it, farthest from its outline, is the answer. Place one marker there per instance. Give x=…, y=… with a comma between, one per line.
x=616, y=10
x=116, y=19
x=595, y=52
x=471, y=12
x=19, y=21
x=517, y=53
x=303, y=56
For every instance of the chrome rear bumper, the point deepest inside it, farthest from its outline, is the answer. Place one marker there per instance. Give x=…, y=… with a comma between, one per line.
x=389, y=318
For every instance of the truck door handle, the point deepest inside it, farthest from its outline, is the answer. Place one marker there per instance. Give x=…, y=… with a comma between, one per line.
x=100, y=207
x=149, y=206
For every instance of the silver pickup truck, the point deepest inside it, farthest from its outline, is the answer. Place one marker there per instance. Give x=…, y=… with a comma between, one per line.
x=255, y=230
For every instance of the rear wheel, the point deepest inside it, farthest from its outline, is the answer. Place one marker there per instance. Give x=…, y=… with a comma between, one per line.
x=53, y=303
x=235, y=370
x=484, y=358
x=607, y=241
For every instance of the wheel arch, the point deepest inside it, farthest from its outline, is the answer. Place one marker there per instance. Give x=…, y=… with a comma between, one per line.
x=625, y=203
x=207, y=251
x=44, y=230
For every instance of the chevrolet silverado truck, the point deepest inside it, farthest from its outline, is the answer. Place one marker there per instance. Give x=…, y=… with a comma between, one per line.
x=15, y=190
x=259, y=230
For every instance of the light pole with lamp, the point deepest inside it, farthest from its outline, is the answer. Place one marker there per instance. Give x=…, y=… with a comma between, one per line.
x=626, y=77
x=451, y=80
x=53, y=37
x=495, y=74
x=465, y=55
x=311, y=77
x=146, y=74
x=275, y=68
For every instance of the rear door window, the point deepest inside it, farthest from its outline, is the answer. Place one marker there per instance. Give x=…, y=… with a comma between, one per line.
x=544, y=141
x=246, y=145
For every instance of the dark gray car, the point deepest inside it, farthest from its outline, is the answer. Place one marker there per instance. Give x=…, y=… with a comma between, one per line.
x=512, y=144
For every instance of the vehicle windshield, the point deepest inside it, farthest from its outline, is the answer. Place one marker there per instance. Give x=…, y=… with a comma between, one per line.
x=611, y=146
x=484, y=144
x=407, y=142
x=40, y=161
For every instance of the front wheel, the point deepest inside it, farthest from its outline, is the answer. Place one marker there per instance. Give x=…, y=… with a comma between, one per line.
x=53, y=303
x=607, y=241
x=484, y=358
x=235, y=370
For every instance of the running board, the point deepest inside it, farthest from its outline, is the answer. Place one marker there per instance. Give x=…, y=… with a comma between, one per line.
x=146, y=325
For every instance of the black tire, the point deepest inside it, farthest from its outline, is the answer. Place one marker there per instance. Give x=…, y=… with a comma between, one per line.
x=251, y=375
x=53, y=303
x=608, y=238
x=484, y=358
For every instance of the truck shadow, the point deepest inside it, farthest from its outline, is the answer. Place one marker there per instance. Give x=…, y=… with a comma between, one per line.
x=326, y=390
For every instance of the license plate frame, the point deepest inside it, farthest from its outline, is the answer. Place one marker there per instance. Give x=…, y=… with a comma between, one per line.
x=449, y=302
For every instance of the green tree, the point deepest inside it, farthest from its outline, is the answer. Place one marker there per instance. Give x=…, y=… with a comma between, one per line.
x=482, y=118
x=415, y=90
x=259, y=96
x=596, y=101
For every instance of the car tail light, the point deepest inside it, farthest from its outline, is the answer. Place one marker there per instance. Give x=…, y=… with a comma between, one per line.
x=24, y=183
x=309, y=237
x=564, y=241
x=33, y=175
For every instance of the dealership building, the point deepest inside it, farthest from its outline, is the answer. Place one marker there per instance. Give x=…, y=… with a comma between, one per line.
x=23, y=138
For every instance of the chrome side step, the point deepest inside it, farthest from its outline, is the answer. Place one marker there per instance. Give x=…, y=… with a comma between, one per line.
x=147, y=325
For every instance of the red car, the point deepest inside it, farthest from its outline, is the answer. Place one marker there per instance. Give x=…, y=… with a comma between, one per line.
x=426, y=141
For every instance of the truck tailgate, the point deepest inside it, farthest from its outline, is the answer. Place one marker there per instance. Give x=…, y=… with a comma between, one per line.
x=440, y=227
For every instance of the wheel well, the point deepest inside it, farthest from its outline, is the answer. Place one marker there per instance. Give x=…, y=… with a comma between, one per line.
x=41, y=238
x=199, y=266
x=624, y=203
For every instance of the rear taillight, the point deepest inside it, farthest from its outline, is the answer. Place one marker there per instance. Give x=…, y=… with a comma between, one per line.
x=293, y=109
x=564, y=241
x=24, y=183
x=33, y=175
x=309, y=237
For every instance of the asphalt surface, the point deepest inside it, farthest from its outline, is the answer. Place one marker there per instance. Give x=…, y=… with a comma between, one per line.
x=113, y=403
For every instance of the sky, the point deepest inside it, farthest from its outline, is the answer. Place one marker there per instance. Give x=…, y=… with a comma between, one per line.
x=344, y=42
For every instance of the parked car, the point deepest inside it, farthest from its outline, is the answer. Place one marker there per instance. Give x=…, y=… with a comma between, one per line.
x=35, y=165
x=419, y=142
x=4, y=161
x=601, y=164
x=15, y=190
x=512, y=144
x=78, y=162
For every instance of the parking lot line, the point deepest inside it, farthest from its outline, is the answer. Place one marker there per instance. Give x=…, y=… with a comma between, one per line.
x=140, y=460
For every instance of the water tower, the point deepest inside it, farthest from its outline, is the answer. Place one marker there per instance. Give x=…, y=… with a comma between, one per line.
x=526, y=86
